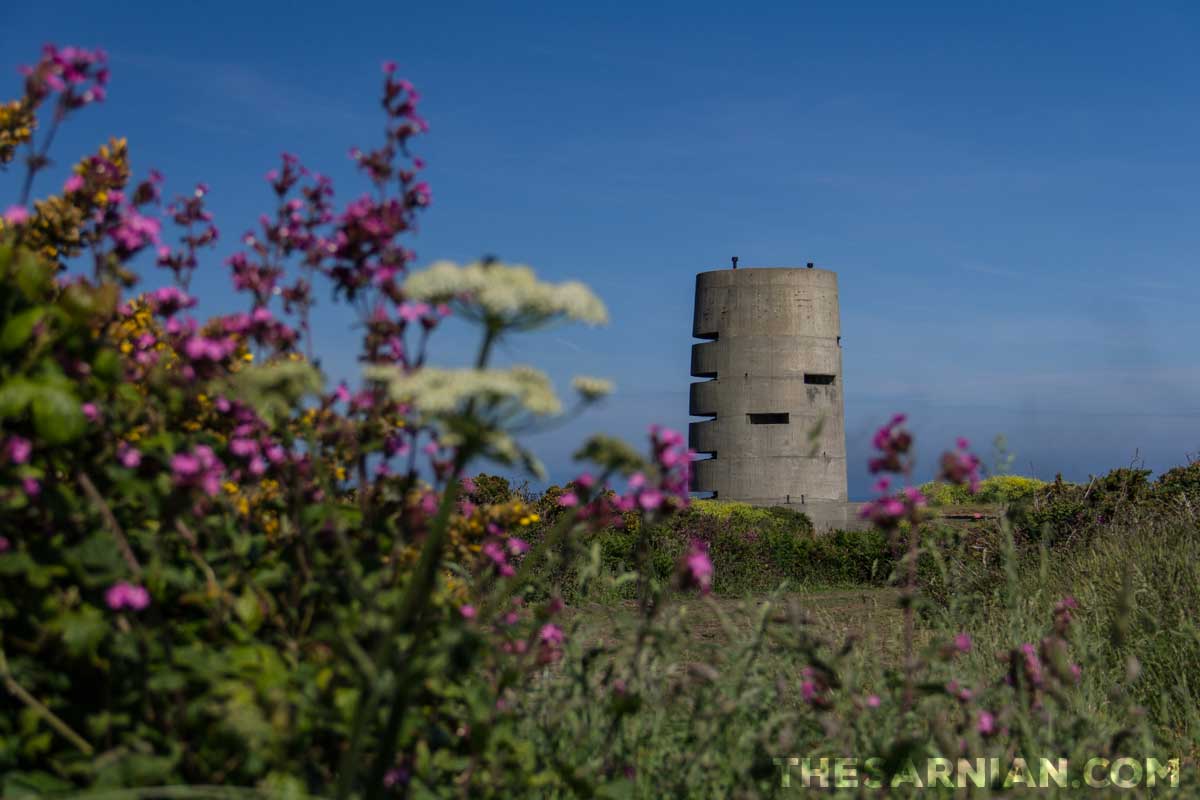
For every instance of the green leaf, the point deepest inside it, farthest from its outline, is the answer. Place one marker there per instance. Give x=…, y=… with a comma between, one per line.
x=107, y=365
x=15, y=397
x=17, y=329
x=33, y=276
x=32, y=784
x=82, y=630
x=248, y=610
x=57, y=414
x=166, y=681
x=282, y=786
x=97, y=558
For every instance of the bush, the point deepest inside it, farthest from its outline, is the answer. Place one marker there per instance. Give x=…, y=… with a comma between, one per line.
x=996, y=489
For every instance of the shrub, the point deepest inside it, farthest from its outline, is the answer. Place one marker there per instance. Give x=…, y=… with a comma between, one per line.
x=996, y=489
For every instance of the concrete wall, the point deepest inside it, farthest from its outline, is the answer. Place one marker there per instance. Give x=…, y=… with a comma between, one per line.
x=766, y=330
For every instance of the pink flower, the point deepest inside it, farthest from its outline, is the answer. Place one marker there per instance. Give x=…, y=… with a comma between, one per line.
x=987, y=723
x=551, y=634
x=395, y=777
x=135, y=231
x=169, y=300
x=650, y=499
x=126, y=595
x=873, y=701
x=467, y=612
x=411, y=312
x=31, y=486
x=16, y=215
x=495, y=553
x=892, y=442
x=4, y=544
x=200, y=468
x=91, y=412
x=19, y=449
x=697, y=567
x=961, y=467
x=568, y=500
x=73, y=184
x=962, y=642
x=129, y=457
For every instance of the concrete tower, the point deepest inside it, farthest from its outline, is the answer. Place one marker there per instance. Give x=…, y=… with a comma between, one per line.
x=774, y=357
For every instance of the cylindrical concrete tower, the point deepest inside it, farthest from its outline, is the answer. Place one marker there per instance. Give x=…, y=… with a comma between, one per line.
x=778, y=431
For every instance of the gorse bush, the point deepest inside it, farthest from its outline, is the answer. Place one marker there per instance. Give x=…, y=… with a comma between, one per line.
x=995, y=489
x=220, y=570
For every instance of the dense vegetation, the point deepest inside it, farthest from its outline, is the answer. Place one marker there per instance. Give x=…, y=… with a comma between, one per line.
x=220, y=572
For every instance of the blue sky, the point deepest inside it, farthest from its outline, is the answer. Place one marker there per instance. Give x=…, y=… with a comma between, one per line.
x=1007, y=190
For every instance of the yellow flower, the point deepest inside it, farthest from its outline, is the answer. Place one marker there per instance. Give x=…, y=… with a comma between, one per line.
x=340, y=472
x=248, y=357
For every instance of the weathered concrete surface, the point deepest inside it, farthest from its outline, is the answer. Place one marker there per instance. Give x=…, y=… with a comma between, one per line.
x=774, y=360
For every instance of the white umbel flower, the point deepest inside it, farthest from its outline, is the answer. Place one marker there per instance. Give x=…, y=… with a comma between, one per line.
x=590, y=388
x=435, y=391
x=510, y=295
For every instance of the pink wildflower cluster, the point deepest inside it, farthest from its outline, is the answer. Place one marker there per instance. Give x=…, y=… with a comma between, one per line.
x=169, y=300
x=661, y=489
x=356, y=249
x=961, y=467
x=499, y=549
x=814, y=688
x=16, y=449
x=295, y=230
x=695, y=570
x=959, y=692
x=189, y=214
x=128, y=455
x=199, y=469
x=77, y=75
x=887, y=511
x=125, y=595
x=674, y=462
x=15, y=215
x=1047, y=665
x=262, y=327
x=133, y=230
x=550, y=643
x=576, y=490
x=893, y=443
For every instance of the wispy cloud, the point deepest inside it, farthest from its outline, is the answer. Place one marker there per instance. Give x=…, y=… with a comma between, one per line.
x=988, y=269
x=232, y=93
